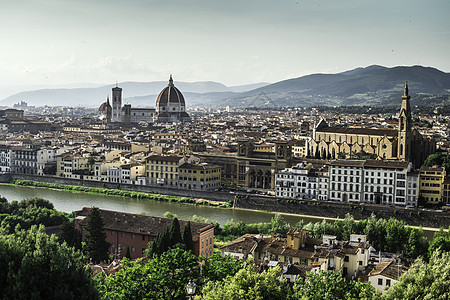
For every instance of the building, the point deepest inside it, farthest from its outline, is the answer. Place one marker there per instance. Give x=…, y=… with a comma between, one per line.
x=403, y=143
x=24, y=160
x=385, y=274
x=5, y=159
x=162, y=169
x=297, y=182
x=199, y=176
x=432, y=184
x=357, y=181
x=349, y=257
x=135, y=231
x=170, y=105
x=257, y=165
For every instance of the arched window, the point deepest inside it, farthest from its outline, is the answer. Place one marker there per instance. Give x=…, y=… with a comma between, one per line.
x=401, y=149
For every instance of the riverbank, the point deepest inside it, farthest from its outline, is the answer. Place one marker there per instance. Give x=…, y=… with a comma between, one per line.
x=311, y=209
x=118, y=193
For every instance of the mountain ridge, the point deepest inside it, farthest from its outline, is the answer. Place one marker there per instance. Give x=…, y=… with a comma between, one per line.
x=372, y=85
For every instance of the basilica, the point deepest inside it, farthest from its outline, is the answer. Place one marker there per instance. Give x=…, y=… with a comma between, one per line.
x=405, y=143
x=170, y=107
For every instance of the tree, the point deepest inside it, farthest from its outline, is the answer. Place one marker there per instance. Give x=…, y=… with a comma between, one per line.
x=441, y=242
x=34, y=265
x=247, y=284
x=217, y=267
x=96, y=245
x=329, y=286
x=187, y=237
x=163, y=277
x=424, y=280
x=279, y=225
x=69, y=234
x=174, y=233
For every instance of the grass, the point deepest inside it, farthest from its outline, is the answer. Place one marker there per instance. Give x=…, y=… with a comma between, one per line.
x=120, y=193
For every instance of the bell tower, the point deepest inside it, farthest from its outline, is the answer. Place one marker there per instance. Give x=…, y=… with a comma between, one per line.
x=117, y=104
x=404, y=127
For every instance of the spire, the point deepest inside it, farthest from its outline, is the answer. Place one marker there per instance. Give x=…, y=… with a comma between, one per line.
x=406, y=88
x=116, y=84
x=170, y=80
x=107, y=99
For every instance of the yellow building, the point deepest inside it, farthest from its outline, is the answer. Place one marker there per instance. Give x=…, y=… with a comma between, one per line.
x=67, y=163
x=201, y=176
x=446, y=191
x=431, y=184
x=162, y=169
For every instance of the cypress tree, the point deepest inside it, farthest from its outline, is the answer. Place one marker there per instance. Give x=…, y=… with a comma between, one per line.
x=128, y=255
x=95, y=238
x=187, y=237
x=174, y=233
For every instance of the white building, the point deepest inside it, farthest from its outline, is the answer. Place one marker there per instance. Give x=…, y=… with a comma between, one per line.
x=297, y=182
x=358, y=181
x=5, y=160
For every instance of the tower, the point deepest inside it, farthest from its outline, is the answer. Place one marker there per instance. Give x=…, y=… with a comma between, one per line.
x=404, y=127
x=117, y=104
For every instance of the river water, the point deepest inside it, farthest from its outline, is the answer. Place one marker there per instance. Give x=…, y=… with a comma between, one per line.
x=71, y=201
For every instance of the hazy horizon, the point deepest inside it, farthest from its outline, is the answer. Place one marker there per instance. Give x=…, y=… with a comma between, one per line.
x=64, y=43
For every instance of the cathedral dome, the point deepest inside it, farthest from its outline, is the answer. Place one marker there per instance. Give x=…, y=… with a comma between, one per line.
x=170, y=95
x=105, y=105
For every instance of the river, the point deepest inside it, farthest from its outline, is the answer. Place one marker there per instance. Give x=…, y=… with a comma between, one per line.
x=71, y=201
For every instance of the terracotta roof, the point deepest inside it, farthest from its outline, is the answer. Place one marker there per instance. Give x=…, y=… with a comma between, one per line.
x=360, y=131
x=388, y=269
x=141, y=224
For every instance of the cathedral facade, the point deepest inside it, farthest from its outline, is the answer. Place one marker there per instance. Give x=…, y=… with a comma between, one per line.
x=170, y=107
x=405, y=143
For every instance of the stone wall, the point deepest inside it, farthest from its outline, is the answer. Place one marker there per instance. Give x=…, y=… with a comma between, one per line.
x=414, y=217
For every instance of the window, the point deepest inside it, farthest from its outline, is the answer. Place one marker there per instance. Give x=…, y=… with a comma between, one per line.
x=143, y=237
x=380, y=281
x=346, y=258
x=112, y=232
x=388, y=282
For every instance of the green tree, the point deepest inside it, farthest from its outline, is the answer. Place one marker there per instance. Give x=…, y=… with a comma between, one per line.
x=187, y=237
x=217, y=267
x=424, y=280
x=247, y=284
x=174, y=233
x=96, y=245
x=329, y=286
x=441, y=242
x=163, y=277
x=279, y=225
x=34, y=265
x=69, y=234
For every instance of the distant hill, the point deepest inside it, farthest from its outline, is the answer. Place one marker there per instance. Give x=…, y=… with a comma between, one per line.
x=373, y=85
x=135, y=93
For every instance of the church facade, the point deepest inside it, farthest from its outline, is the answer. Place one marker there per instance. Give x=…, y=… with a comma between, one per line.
x=405, y=143
x=170, y=107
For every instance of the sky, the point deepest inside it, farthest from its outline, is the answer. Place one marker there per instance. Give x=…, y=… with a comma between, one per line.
x=66, y=43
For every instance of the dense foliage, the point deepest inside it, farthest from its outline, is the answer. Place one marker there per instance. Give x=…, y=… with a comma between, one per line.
x=248, y=284
x=330, y=286
x=424, y=280
x=438, y=159
x=165, y=276
x=28, y=212
x=36, y=266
